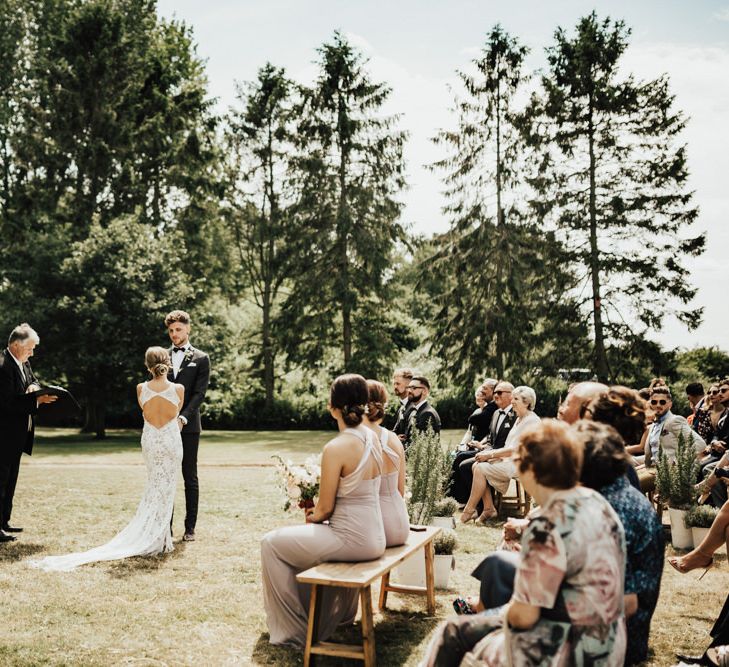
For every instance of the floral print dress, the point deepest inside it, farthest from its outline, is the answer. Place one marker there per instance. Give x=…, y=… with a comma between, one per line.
x=572, y=566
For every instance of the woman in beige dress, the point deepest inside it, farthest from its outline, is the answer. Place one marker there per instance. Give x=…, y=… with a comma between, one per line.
x=345, y=525
x=494, y=467
x=392, y=489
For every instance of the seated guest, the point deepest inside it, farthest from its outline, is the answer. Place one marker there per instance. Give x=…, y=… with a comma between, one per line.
x=478, y=428
x=695, y=397
x=495, y=467
x=567, y=605
x=501, y=424
x=707, y=416
x=603, y=469
x=624, y=410
x=578, y=397
x=666, y=428
x=392, y=485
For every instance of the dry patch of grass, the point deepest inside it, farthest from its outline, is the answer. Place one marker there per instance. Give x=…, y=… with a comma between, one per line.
x=203, y=602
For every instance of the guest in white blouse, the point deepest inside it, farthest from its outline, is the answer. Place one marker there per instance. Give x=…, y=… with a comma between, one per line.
x=495, y=467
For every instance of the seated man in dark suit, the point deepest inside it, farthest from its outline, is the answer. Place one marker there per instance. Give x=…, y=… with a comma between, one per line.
x=422, y=413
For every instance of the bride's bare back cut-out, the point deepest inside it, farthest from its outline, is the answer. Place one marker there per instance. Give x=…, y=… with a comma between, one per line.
x=161, y=402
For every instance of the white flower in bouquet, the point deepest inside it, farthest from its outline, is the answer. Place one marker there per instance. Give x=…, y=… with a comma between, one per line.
x=301, y=483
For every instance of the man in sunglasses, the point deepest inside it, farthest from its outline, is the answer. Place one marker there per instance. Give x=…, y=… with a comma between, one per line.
x=666, y=428
x=422, y=413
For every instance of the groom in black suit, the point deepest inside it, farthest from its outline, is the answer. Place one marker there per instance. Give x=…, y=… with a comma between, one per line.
x=17, y=409
x=191, y=369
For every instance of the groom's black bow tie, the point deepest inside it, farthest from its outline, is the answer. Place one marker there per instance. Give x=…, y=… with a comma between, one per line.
x=178, y=349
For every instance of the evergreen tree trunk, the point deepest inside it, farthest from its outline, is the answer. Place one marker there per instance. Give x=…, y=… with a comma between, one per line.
x=267, y=344
x=600, y=353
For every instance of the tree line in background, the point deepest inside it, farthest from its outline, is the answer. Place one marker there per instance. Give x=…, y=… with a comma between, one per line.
x=123, y=194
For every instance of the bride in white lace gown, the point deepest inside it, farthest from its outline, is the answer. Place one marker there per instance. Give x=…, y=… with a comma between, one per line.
x=148, y=533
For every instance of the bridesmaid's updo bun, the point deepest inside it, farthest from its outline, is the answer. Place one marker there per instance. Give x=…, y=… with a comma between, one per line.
x=376, y=400
x=157, y=361
x=349, y=394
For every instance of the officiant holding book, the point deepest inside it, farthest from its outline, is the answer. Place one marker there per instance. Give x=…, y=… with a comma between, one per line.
x=17, y=417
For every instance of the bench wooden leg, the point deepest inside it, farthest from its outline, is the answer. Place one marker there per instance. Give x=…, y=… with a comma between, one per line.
x=312, y=629
x=430, y=576
x=368, y=627
x=383, y=590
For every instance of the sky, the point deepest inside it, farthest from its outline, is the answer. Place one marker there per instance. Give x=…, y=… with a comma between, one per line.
x=416, y=46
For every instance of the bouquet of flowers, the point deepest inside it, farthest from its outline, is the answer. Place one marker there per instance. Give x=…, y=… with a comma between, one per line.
x=300, y=482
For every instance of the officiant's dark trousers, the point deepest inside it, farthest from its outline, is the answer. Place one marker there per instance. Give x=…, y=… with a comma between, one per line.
x=9, y=467
x=190, y=442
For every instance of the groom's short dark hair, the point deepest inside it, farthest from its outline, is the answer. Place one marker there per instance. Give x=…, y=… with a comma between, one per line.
x=177, y=316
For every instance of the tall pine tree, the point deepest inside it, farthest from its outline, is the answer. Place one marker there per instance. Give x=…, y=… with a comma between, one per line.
x=502, y=299
x=259, y=198
x=611, y=172
x=351, y=166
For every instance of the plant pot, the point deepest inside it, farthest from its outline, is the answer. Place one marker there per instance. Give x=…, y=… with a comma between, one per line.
x=698, y=534
x=443, y=522
x=443, y=566
x=680, y=535
x=411, y=572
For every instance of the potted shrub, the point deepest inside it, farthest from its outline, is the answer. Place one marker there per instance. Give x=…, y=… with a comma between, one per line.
x=443, y=512
x=427, y=473
x=698, y=519
x=675, y=484
x=444, y=545
x=428, y=469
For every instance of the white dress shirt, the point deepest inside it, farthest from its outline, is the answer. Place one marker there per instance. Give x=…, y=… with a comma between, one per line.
x=178, y=357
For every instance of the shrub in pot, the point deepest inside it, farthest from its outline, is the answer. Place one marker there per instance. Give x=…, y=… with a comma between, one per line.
x=443, y=512
x=427, y=474
x=698, y=520
x=675, y=481
x=444, y=545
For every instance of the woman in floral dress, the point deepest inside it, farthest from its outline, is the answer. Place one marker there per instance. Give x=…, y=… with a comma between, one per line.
x=567, y=605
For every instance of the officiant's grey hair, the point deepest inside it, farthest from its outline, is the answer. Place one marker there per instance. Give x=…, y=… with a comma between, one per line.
x=22, y=333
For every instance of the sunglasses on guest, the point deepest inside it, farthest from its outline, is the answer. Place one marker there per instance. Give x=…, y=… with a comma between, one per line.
x=502, y=391
x=713, y=393
x=657, y=402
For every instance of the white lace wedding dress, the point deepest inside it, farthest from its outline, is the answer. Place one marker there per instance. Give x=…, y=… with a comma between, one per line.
x=148, y=532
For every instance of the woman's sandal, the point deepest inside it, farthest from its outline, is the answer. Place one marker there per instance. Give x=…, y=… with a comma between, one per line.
x=487, y=516
x=468, y=515
x=463, y=606
x=678, y=564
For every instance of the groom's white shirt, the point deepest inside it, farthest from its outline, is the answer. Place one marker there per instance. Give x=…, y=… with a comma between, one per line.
x=177, y=358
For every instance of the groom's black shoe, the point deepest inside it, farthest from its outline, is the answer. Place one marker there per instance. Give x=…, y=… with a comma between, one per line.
x=11, y=529
x=4, y=537
x=189, y=536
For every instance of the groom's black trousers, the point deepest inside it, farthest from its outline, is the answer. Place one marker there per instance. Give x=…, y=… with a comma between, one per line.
x=190, y=442
x=9, y=468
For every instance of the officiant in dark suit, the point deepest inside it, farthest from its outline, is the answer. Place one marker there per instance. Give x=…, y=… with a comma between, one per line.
x=17, y=411
x=191, y=369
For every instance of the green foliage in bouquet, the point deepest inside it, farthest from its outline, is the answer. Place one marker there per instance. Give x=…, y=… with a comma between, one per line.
x=700, y=516
x=445, y=542
x=675, y=479
x=427, y=474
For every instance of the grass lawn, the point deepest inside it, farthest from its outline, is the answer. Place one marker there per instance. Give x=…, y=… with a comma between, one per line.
x=202, y=604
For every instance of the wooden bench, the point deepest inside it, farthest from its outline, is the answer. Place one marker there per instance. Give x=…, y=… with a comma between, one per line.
x=362, y=576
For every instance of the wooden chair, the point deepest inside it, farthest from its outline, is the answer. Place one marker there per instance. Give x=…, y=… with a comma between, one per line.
x=517, y=504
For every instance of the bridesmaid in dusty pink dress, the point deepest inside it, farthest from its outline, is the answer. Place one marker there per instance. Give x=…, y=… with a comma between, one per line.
x=392, y=489
x=345, y=525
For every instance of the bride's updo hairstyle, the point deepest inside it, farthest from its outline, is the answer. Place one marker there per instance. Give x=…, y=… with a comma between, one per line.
x=157, y=361
x=349, y=394
x=376, y=400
